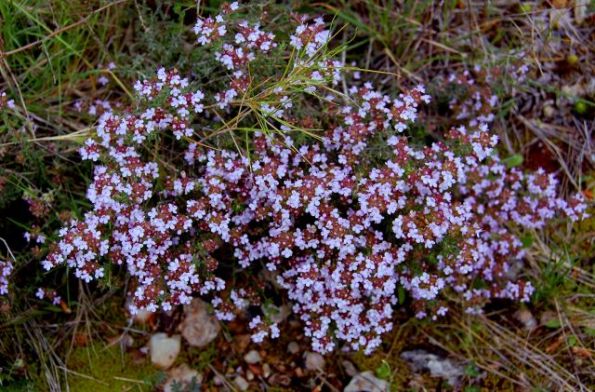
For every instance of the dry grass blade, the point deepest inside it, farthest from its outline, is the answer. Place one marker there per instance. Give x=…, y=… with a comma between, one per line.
x=532, y=358
x=50, y=362
x=61, y=30
x=543, y=137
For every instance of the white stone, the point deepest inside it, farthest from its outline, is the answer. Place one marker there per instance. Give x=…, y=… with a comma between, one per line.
x=549, y=111
x=293, y=348
x=252, y=357
x=241, y=383
x=526, y=318
x=199, y=327
x=437, y=365
x=349, y=368
x=142, y=317
x=366, y=381
x=218, y=380
x=183, y=377
x=266, y=370
x=164, y=349
x=314, y=361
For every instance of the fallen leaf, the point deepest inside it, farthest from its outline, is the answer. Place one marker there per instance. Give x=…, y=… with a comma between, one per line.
x=81, y=339
x=257, y=370
x=65, y=307
x=554, y=345
x=582, y=352
x=242, y=342
x=559, y=3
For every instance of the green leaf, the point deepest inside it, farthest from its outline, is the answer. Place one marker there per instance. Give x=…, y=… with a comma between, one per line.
x=383, y=371
x=513, y=161
x=479, y=284
x=525, y=8
x=401, y=295
x=580, y=107
x=471, y=370
x=553, y=323
x=527, y=240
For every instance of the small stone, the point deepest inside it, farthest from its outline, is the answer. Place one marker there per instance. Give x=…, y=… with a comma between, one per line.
x=199, y=327
x=349, y=368
x=241, y=383
x=549, y=111
x=314, y=361
x=574, y=90
x=293, y=348
x=218, y=380
x=547, y=317
x=277, y=314
x=366, y=381
x=580, y=11
x=266, y=370
x=279, y=379
x=438, y=366
x=183, y=377
x=164, y=349
x=142, y=317
x=526, y=318
x=252, y=357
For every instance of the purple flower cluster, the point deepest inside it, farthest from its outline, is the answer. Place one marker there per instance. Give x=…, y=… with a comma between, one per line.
x=5, y=102
x=50, y=294
x=6, y=268
x=339, y=230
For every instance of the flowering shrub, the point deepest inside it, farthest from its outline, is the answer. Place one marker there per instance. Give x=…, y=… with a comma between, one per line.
x=477, y=103
x=339, y=228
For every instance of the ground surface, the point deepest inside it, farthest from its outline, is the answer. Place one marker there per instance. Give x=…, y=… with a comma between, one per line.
x=54, y=53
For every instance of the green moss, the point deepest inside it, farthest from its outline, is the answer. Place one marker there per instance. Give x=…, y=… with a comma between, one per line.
x=19, y=386
x=98, y=368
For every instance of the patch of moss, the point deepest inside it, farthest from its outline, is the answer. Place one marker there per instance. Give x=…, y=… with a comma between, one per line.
x=386, y=364
x=19, y=386
x=199, y=358
x=99, y=368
